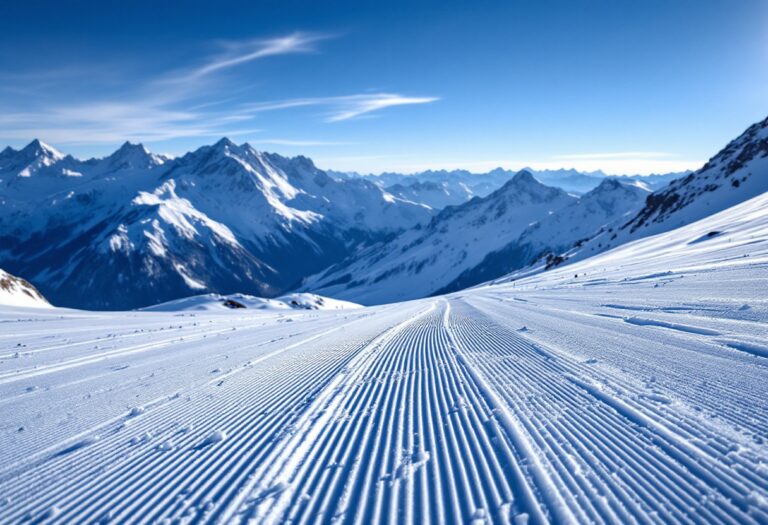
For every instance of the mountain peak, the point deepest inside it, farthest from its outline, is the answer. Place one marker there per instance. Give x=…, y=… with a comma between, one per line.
x=608, y=184
x=611, y=189
x=130, y=147
x=38, y=148
x=524, y=177
x=225, y=143
x=304, y=162
x=249, y=147
x=131, y=155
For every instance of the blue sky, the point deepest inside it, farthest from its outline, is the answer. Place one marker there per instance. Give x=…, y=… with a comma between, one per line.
x=630, y=87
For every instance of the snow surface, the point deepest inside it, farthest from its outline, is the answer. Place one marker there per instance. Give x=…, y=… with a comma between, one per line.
x=627, y=388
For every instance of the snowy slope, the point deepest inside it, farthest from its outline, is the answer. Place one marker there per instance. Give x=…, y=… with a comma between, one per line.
x=237, y=302
x=224, y=219
x=15, y=291
x=737, y=173
x=637, y=393
x=610, y=202
x=732, y=238
x=422, y=261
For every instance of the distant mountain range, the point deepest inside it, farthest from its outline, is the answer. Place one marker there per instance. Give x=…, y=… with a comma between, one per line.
x=438, y=189
x=135, y=229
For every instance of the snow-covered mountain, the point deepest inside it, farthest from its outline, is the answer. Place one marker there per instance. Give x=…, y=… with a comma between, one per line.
x=617, y=211
x=15, y=291
x=33, y=158
x=737, y=173
x=611, y=201
x=424, y=260
x=134, y=228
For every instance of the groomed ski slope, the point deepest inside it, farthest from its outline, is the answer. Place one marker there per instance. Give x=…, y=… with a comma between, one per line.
x=632, y=394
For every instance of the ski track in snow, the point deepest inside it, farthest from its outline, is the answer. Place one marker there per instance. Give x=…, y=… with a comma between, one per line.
x=495, y=405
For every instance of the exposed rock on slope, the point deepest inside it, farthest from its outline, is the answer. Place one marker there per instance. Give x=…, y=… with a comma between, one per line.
x=15, y=291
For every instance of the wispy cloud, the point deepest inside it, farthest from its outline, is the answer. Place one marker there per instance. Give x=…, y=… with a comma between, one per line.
x=132, y=107
x=344, y=107
x=109, y=122
x=247, y=51
x=152, y=120
x=355, y=106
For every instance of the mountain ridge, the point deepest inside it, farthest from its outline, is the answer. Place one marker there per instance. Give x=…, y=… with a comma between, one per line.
x=221, y=219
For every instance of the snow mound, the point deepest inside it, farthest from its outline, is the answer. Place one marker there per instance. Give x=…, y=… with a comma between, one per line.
x=238, y=302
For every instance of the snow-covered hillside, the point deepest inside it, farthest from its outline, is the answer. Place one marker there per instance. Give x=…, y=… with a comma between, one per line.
x=610, y=202
x=737, y=173
x=236, y=302
x=732, y=238
x=134, y=229
x=633, y=392
x=423, y=260
x=15, y=291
